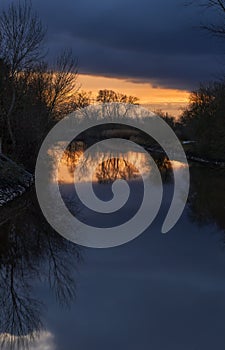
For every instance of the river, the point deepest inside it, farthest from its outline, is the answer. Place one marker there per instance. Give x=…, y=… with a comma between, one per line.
x=159, y=291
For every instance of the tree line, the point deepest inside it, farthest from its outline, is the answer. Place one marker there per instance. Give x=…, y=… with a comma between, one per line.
x=204, y=118
x=34, y=94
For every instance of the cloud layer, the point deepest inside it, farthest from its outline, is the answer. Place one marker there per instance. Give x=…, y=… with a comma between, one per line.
x=155, y=41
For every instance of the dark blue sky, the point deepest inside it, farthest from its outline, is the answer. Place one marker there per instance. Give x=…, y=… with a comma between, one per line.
x=156, y=41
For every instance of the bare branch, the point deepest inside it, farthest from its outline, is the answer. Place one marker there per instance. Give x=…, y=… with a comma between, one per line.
x=62, y=80
x=22, y=35
x=219, y=7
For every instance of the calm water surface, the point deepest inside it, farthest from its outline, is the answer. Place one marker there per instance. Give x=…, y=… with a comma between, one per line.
x=157, y=292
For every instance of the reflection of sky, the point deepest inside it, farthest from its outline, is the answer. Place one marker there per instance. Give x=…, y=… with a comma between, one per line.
x=156, y=292
x=99, y=167
x=44, y=342
x=128, y=165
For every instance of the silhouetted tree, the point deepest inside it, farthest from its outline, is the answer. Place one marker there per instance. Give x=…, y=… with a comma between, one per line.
x=107, y=96
x=219, y=7
x=170, y=120
x=204, y=120
x=61, y=82
x=33, y=94
x=21, y=39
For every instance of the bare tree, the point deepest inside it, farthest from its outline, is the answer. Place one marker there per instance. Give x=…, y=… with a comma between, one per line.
x=33, y=94
x=22, y=35
x=107, y=96
x=219, y=7
x=21, y=39
x=62, y=81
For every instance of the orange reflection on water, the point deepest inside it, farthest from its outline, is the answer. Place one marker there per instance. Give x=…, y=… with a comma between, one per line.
x=102, y=168
x=105, y=168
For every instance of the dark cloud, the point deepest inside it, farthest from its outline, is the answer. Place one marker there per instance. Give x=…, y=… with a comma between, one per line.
x=155, y=41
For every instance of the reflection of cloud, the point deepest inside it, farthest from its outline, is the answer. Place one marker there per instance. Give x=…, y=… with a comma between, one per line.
x=44, y=341
x=176, y=165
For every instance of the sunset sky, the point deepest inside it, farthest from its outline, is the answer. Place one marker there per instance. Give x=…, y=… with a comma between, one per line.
x=152, y=49
x=168, y=100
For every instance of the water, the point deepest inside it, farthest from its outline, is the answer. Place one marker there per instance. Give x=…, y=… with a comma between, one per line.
x=155, y=292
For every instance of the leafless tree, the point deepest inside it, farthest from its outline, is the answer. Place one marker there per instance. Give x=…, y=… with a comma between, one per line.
x=22, y=35
x=33, y=93
x=62, y=81
x=21, y=39
x=219, y=7
x=107, y=96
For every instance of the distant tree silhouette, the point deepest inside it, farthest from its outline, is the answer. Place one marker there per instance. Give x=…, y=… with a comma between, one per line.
x=107, y=96
x=204, y=120
x=170, y=120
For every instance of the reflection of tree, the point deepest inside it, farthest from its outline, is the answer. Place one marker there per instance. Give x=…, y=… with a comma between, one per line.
x=109, y=168
x=207, y=195
x=115, y=168
x=72, y=155
x=207, y=190
x=164, y=166
x=29, y=251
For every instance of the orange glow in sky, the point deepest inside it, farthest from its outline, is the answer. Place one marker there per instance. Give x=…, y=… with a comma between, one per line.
x=170, y=100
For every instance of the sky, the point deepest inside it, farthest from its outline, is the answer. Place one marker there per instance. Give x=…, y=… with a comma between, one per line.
x=153, y=49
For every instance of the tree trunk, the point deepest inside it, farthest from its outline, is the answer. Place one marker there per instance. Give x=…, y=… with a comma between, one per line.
x=8, y=121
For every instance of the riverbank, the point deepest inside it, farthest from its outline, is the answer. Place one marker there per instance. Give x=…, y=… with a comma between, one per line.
x=150, y=145
x=14, y=180
x=200, y=160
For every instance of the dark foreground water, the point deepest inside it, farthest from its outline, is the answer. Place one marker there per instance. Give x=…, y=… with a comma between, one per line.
x=157, y=292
